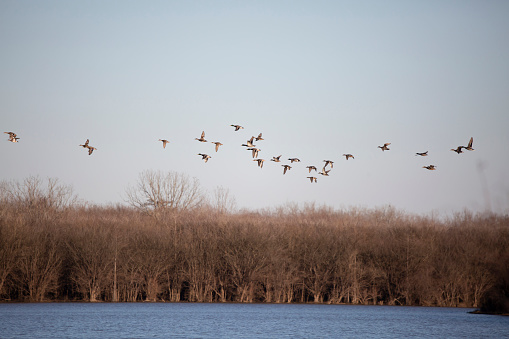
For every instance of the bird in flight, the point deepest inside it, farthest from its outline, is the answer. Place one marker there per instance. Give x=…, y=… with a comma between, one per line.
x=217, y=144
x=164, y=141
x=348, y=156
x=430, y=167
x=286, y=168
x=202, y=138
x=423, y=154
x=259, y=137
x=276, y=159
x=237, y=127
x=310, y=168
x=469, y=147
x=260, y=162
x=205, y=157
x=12, y=137
x=249, y=143
x=91, y=149
x=292, y=160
x=324, y=172
x=457, y=150
x=254, y=151
x=313, y=179
x=328, y=162
x=384, y=147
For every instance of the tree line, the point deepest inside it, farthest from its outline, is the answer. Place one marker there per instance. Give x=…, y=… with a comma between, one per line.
x=53, y=247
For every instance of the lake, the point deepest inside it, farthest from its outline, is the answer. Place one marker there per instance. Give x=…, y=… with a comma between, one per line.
x=195, y=320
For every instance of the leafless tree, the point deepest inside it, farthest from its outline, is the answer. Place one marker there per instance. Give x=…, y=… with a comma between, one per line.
x=157, y=192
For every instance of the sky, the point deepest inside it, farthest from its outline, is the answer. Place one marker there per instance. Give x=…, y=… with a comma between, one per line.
x=318, y=78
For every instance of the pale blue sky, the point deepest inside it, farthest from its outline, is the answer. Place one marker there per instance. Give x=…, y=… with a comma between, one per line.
x=317, y=78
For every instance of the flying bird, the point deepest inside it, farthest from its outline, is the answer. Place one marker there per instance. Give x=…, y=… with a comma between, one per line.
x=286, y=168
x=249, y=143
x=260, y=162
x=457, y=150
x=259, y=137
x=423, y=154
x=469, y=147
x=313, y=179
x=328, y=162
x=164, y=141
x=217, y=143
x=202, y=138
x=292, y=160
x=254, y=151
x=12, y=137
x=237, y=127
x=348, y=156
x=430, y=167
x=324, y=172
x=310, y=168
x=85, y=145
x=384, y=147
x=276, y=159
x=91, y=149
x=205, y=157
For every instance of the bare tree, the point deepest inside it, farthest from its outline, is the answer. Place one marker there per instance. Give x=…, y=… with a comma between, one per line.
x=224, y=202
x=156, y=192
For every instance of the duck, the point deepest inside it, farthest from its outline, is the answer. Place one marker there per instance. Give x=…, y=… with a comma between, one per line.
x=286, y=168
x=348, y=156
x=254, y=151
x=12, y=137
x=423, y=154
x=469, y=147
x=384, y=147
x=205, y=157
x=458, y=149
x=324, y=172
x=85, y=145
x=328, y=162
x=276, y=159
x=91, y=149
x=164, y=141
x=313, y=179
x=217, y=143
x=237, y=127
x=310, y=168
x=249, y=143
x=260, y=162
x=259, y=137
x=292, y=160
x=430, y=167
x=202, y=138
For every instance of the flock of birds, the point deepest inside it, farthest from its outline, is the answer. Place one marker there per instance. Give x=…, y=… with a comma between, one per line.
x=254, y=151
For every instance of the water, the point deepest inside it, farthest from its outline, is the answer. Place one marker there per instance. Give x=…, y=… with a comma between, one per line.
x=187, y=320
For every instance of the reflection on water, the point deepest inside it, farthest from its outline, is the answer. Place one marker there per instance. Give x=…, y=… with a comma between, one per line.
x=188, y=320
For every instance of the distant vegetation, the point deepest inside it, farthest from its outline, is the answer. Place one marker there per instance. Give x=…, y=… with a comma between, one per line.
x=179, y=247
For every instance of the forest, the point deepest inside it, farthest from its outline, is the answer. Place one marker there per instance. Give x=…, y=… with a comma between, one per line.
x=169, y=243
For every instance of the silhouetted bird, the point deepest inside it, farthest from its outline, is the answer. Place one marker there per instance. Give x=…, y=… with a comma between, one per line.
x=313, y=179
x=430, y=167
x=311, y=168
x=348, y=156
x=457, y=150
x=237, y=127
x=259, y=137
x=286, y=168
x=292, y=160
x=424, y=154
